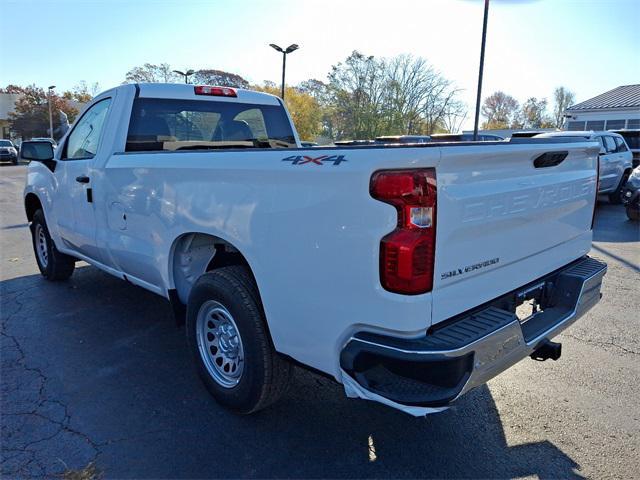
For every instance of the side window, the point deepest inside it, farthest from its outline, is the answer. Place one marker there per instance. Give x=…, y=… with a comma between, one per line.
x=595, y=125
x=83, y=140
x=609, y=144
x=621, y=146
x=575, y=126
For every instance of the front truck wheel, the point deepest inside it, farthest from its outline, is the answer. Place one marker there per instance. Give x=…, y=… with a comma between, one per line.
x=53, y=265
x=230, y=344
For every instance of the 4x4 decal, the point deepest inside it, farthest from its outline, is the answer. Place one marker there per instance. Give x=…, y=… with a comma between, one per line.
x=304, y=159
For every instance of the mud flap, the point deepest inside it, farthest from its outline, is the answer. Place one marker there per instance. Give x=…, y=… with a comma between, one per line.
x=353, y=390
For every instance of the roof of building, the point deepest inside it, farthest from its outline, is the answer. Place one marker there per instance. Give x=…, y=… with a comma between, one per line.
x=624, y=96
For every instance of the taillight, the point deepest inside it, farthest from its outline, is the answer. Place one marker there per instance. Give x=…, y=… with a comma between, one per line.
x=215, y=91
x=595, y=200
x=407, y=254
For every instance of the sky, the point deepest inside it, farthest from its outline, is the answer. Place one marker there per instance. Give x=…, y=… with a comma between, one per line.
x=533, y=46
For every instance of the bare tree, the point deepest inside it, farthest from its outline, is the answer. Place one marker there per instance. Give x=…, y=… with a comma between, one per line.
x=400, y=95
x=455, y=116
x=151, y=73
x=563, y=98
x=357, y=90
x=220, y=78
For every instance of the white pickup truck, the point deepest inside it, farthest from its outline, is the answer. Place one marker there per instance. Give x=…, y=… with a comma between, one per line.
x=400, y=271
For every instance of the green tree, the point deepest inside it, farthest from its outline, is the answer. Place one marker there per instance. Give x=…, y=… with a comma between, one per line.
x=81, y=93
x=534, y=114
x=30, y=117
x=387, y=96
x=563, y=98
x=303, y=108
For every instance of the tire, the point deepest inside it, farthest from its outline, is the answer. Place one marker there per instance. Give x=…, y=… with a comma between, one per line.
x=225, y=321
x=633, y=214
x=53, y=265
x=15, y=161
x=615, y=197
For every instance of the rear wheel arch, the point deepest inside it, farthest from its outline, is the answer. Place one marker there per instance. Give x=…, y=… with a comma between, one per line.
x=194, y=253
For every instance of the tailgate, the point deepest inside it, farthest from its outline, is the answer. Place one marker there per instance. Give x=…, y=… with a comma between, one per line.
x=503, y=222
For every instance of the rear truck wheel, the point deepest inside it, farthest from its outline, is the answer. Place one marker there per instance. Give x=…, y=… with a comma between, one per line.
x=53, y=264
x=228, y=338
x=633, y=213
x=615, y=197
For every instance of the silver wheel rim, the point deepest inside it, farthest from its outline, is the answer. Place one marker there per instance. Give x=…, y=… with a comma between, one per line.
x=41, y=246
x=220, y=344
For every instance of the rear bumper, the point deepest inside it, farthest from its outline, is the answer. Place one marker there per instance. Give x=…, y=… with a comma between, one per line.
x=470, y=349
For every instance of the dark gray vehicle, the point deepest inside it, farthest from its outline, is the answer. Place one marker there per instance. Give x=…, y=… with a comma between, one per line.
x=465, y=137
x=392, y=139
x=631, y=195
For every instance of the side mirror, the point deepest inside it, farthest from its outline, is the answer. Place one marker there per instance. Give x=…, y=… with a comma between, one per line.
x=38, y=151
x=603, y=151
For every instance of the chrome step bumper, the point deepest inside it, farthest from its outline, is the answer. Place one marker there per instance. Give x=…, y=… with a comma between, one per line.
x=470, y=349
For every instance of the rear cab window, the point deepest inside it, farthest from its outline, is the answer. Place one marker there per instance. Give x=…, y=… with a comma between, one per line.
x=159, y=124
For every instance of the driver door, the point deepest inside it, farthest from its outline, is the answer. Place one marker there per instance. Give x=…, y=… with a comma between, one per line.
x=77, y=219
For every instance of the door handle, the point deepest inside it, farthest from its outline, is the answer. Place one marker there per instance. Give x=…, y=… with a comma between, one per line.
x=82, y=179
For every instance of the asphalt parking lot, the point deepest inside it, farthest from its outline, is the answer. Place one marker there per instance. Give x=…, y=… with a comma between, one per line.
x=95, y=370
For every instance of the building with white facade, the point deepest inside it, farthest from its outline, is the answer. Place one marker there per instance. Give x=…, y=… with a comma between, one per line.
x=613, y=110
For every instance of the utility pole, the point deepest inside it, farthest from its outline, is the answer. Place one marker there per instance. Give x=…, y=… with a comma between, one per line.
x=50, y=91
x=480, y=73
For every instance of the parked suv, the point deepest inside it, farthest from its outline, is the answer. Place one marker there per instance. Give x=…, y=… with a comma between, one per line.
x=616, y=160
x=632, y=137
x=8, y=152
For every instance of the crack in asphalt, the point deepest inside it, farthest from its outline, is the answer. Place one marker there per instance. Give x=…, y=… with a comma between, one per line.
x=24, y=459
x=599, y=343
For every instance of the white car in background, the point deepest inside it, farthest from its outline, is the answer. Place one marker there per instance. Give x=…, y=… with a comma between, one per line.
x=616, y=160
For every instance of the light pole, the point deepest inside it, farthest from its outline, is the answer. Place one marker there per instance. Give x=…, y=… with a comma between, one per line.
x=484, y=40
x=186, y=74
x=291, y=48
x=50, y=113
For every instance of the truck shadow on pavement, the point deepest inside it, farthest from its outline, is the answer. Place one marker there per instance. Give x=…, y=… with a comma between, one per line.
x=612, y=225
x=110, y=358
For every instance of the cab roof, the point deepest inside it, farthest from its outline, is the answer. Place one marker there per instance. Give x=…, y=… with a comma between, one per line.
x=187, y=92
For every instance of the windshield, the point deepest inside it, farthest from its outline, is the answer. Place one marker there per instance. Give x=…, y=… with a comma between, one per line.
x=5, y=143
x=170, y=124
